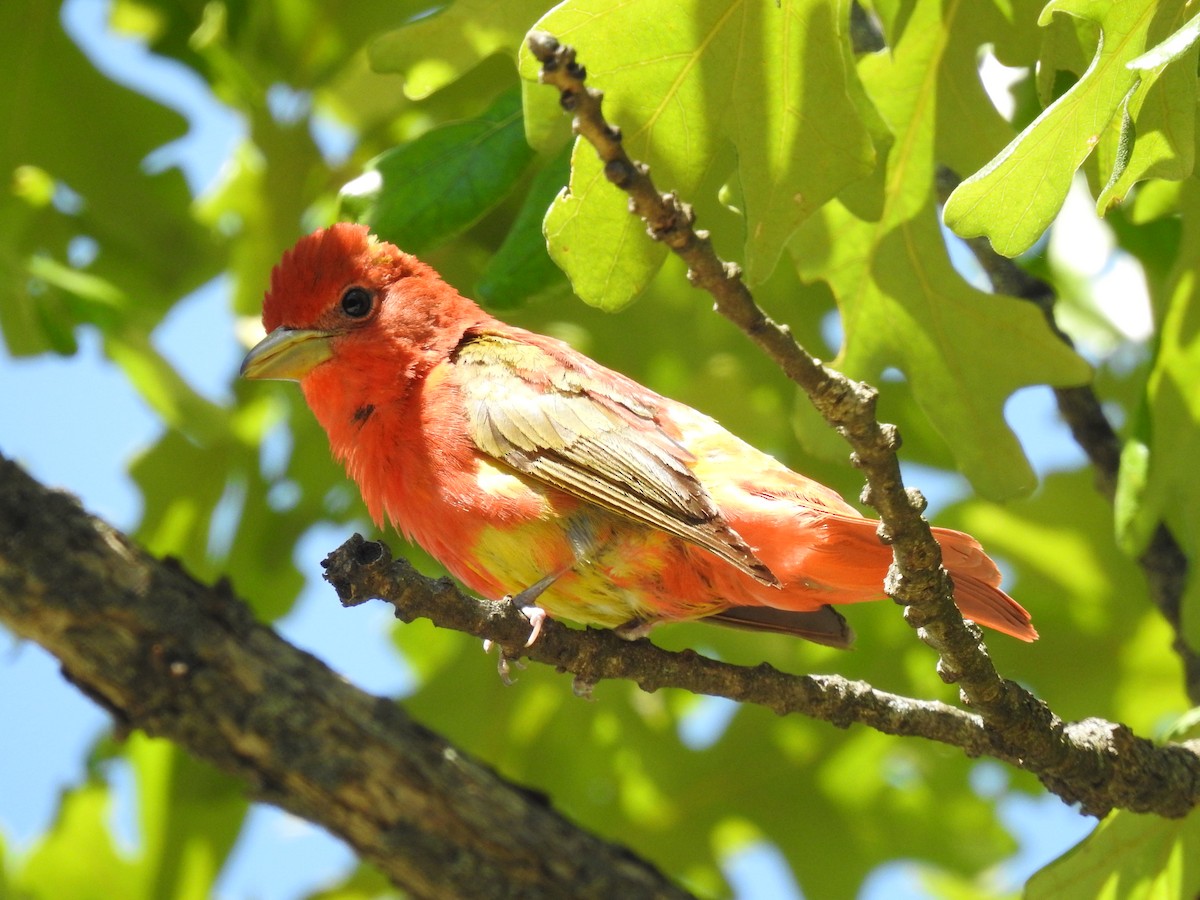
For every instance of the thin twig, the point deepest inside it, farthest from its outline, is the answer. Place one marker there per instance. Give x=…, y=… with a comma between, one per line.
x=1098, y=764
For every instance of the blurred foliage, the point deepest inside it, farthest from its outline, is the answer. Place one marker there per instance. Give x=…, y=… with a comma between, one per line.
x=814, y=169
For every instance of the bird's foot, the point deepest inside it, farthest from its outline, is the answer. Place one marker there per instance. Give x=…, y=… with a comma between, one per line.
x=504, y=665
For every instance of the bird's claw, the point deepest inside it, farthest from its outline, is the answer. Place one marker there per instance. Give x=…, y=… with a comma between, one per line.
x=536, y=616
x=504, y=666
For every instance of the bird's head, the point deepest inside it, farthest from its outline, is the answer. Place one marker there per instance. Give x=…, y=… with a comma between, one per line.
x=341, y=293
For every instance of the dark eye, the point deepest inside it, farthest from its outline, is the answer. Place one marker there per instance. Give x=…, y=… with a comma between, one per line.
x=356, y=302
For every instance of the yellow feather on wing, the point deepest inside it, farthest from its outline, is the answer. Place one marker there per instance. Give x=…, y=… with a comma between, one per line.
x=548, y=420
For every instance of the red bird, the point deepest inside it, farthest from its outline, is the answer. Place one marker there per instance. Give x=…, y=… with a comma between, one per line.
x=533, y=472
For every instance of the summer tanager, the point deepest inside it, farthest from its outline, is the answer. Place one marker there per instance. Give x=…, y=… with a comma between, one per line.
x=532, y=472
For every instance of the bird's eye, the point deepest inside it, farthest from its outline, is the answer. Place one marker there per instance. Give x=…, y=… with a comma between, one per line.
x=356, y=302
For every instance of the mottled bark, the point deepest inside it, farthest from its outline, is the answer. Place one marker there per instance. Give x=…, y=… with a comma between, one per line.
x=181, y=660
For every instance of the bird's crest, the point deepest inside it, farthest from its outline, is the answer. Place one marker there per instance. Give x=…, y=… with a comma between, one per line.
x=315, y=272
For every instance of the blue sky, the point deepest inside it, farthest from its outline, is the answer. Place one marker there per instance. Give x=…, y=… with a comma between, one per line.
x=48, y=723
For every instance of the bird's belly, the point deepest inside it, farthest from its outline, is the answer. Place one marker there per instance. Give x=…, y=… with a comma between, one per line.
x=623, y=573
x=498, y=532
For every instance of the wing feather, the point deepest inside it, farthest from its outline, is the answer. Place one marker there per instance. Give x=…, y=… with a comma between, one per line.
x=548, y=417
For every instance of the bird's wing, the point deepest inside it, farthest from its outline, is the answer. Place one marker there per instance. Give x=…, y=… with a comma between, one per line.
x=563, y=420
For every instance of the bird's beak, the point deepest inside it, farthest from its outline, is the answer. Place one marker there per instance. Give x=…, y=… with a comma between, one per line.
x=287, y=354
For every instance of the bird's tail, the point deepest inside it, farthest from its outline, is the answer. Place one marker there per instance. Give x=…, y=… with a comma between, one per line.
x=977, y=586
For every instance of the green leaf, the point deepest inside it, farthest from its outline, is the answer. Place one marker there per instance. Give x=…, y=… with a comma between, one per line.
x=521, y=268
x=674, y=803
x=434, y=50
x=147, y=243
x=1178, y=46
x=1133, y=529
x=364, y=883
x=178, y=507
x=6, y=886
x=190, y=817
x=1088, y=602
x=1186, y=727
x=904, y=305
x=210, y=506
x=164, y=389
x=1128, y=855
x=590, y=234
x=76, y=858
x=1169, y=424
x=1014, y=198
x=772, y=80
x=902, y=302
x=439, y=184
x=1158, y=122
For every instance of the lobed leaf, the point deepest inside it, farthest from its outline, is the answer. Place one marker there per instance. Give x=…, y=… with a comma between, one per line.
x=1172, y=410
x=1158, y=121
x=902, y=303
x=687, y=80
x=1013, y=199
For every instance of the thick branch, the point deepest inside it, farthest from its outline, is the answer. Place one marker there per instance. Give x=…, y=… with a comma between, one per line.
x=1100, y=765
x=917, y=578
x=1163, y=560
x=187, y=662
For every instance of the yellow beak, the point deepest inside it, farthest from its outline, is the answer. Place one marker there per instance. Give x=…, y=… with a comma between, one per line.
x=287, y=354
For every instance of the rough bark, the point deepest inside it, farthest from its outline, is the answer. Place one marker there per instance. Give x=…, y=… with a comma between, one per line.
x=181, y=660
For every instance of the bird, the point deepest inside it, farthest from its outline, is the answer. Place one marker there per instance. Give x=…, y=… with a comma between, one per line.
x=533, y=473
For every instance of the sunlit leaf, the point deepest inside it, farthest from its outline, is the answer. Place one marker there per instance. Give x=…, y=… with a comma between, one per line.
x=1173, y=407
x=1063, y=564
x=757, y=114
x=190, y=816
x=1014, y=197
x=1134, y=529
x=902, y=302
x=77, y=857
x=146, y=242
x=164, y=389
x=1128, y=855
x=1158, y=124
x=591, y=214
x=770, y=79
x=436, y=49
x=364, y=883
x=1177, y=47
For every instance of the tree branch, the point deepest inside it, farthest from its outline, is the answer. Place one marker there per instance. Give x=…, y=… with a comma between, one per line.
x=1098, y=764
x=179, y=660
x=916, y=578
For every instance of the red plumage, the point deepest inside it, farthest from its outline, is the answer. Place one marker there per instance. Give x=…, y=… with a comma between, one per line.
x=516, y=460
